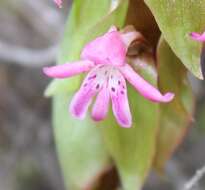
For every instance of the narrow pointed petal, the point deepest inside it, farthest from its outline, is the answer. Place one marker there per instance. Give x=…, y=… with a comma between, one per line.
x=101, y=106
x=198, y=37
x=59, y=3
x=68, y=69
x=92, y=84
x=120, y=105
x=143, y=87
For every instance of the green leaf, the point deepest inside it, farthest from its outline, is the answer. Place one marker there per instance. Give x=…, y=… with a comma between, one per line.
x=79, y=144
x=176, y=19
x=80, y=149
x=175, y=116
x=59, y=86
x=133, y=149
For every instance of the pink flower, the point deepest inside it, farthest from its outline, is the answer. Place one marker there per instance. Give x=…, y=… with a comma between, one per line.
x=59, y=3
x=105, y=59
x=198, y=37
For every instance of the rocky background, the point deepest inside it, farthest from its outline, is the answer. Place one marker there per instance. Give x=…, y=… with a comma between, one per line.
x=29, y=35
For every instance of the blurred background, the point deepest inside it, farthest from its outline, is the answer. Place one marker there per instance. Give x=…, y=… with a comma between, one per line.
x=30, y=32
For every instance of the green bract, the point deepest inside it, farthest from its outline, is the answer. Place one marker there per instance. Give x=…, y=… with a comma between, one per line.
x=177, y=19
x=175, y=116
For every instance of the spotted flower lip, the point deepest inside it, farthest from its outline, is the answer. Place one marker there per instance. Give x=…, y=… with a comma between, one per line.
x=104, y=59
x=198, y=37
x=59, y=3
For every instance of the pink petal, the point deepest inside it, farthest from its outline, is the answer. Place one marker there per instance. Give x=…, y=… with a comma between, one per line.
x=198, y=37
x=144, y=88
x=59, y=3
x=101, y=106
x=92, y=84
x=106, y=49
x=80, y=103
x=120, y=105
x=68, y=69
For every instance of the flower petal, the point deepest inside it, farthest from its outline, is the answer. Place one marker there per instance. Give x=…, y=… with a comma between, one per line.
x=106, y=49
x=198, y=37
x=92, y=84
x=59, y=3
x=144, y=88
x=68, y=69
x=101, y=106
x=118, y=93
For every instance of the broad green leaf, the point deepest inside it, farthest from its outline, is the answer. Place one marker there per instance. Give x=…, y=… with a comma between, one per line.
x=175, y=116
x=81, y=152
x=176, y=19
x=80, y=149
x=59, y=86
x=133, y=149
x=86, y=22
x=115, y=17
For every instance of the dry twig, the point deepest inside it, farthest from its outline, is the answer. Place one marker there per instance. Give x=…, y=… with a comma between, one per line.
x=195, y=179
x=27, y=57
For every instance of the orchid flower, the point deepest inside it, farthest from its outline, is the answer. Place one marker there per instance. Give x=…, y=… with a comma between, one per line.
x=59, y=3
x=105, y=61
x=198, y=37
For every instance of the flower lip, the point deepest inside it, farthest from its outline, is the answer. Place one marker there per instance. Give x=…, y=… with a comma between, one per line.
x=101, y=105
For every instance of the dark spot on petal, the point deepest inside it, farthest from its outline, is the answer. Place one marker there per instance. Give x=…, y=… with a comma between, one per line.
x=119, y=82
x=97, y=86
x=106, y=72
x=85, y=84
x=92, y=77
x=123, y=86
x=113, y=89
x=122, y=92
x=111, y=76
